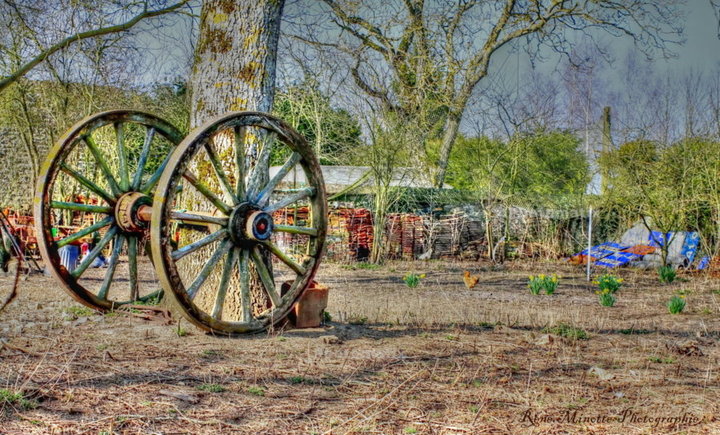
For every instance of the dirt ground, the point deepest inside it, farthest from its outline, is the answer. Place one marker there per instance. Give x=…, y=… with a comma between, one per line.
x=436, y=359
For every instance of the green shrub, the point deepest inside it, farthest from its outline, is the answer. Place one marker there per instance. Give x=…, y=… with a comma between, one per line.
x=412, y=280
x=543, y=282
x=211, y=388
x=17, y=399
x=256, y=391
x=608, y=282
x=676, y=304
x=567, y=331
x=667, y=274
x=607, y=299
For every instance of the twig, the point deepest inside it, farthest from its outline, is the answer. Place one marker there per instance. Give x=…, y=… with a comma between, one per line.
x=16, y=283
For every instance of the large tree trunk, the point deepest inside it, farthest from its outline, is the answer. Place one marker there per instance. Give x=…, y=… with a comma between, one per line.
x=235, y=57
x=234, y=70
x=452, y=125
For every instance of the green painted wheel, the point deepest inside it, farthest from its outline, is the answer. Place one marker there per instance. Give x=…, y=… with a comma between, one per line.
x=225, y=266
x=93, y=184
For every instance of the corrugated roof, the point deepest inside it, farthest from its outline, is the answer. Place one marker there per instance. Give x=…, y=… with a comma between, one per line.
x=338, y=178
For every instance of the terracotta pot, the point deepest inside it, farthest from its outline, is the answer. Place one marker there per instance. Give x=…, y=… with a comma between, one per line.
x=308, y=310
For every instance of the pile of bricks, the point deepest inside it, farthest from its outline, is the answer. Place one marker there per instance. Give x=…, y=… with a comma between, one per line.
x=359, y=224
x=406, y=236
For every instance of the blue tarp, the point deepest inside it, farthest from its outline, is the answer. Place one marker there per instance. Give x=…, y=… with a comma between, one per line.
x=603, y=250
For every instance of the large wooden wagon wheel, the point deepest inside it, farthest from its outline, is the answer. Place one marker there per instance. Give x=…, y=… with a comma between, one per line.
x=94, y=183
x=226, y=270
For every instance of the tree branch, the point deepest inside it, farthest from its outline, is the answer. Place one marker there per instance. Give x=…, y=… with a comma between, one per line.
x=25, y=68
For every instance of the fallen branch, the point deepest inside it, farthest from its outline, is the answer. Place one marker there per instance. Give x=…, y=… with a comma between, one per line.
x=16, y=283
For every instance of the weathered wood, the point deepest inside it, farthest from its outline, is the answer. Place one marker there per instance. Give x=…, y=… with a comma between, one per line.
x=132, y=267
x=208, y=268
x=92, y=255
x=224, y=283
x=258, y=304
x=239, y=144
x=264, y=195
x=74, y=206
x=189, y=249
x=262, y=164
x=142, y=161
x=112, y=265
x=102, y=164
x=245, y=286
x=122, y=157
x=153, y=180
x=295, y=230
x=207, y=193
x=220, y=172
x=85, y=231
x=198, y=218
x=57, y=170
x=292, y=199
x=87, y=183
x=292, y=264
x=265, y=277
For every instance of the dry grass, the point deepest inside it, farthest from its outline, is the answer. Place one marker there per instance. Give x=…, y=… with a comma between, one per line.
x=435, y=359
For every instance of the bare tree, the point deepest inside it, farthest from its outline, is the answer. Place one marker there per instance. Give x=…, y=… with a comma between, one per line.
x=77, y=21
x=425, y=58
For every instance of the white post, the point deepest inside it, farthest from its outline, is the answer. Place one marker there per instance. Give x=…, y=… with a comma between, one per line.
x=589, y=242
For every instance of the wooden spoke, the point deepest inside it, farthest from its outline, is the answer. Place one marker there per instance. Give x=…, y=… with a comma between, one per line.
x=292, y=199
x=208, y=268
x=265, y=277
x=155, y=177
x=74, y=206
x=220, y=172
x=122, y=157
x=245, y=286
x=264, y=195
x=207, y=193
x=112, y=265
x=104, y=168
x=197, y=218
x=224, y=283
x=240, y=161
x=132, y=267
x=284, y=257
x=87, y=183
x=142, y=161
x=84, y=232
x=261, y=164
x=189, y=249
x=307, y=231
x=92, y=255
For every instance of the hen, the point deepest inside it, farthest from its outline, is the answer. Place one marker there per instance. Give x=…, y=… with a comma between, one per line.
x=470, y=280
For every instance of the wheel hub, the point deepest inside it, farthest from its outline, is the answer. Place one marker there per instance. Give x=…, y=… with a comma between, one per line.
x=248, y=224
x=126, y=212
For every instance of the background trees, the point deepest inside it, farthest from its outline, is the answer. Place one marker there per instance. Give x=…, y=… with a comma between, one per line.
x=424, y=59
x=334, y=132
x=352, y=69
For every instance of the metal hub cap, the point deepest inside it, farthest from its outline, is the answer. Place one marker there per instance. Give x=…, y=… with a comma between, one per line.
x=126, y=212
x=248, y=223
